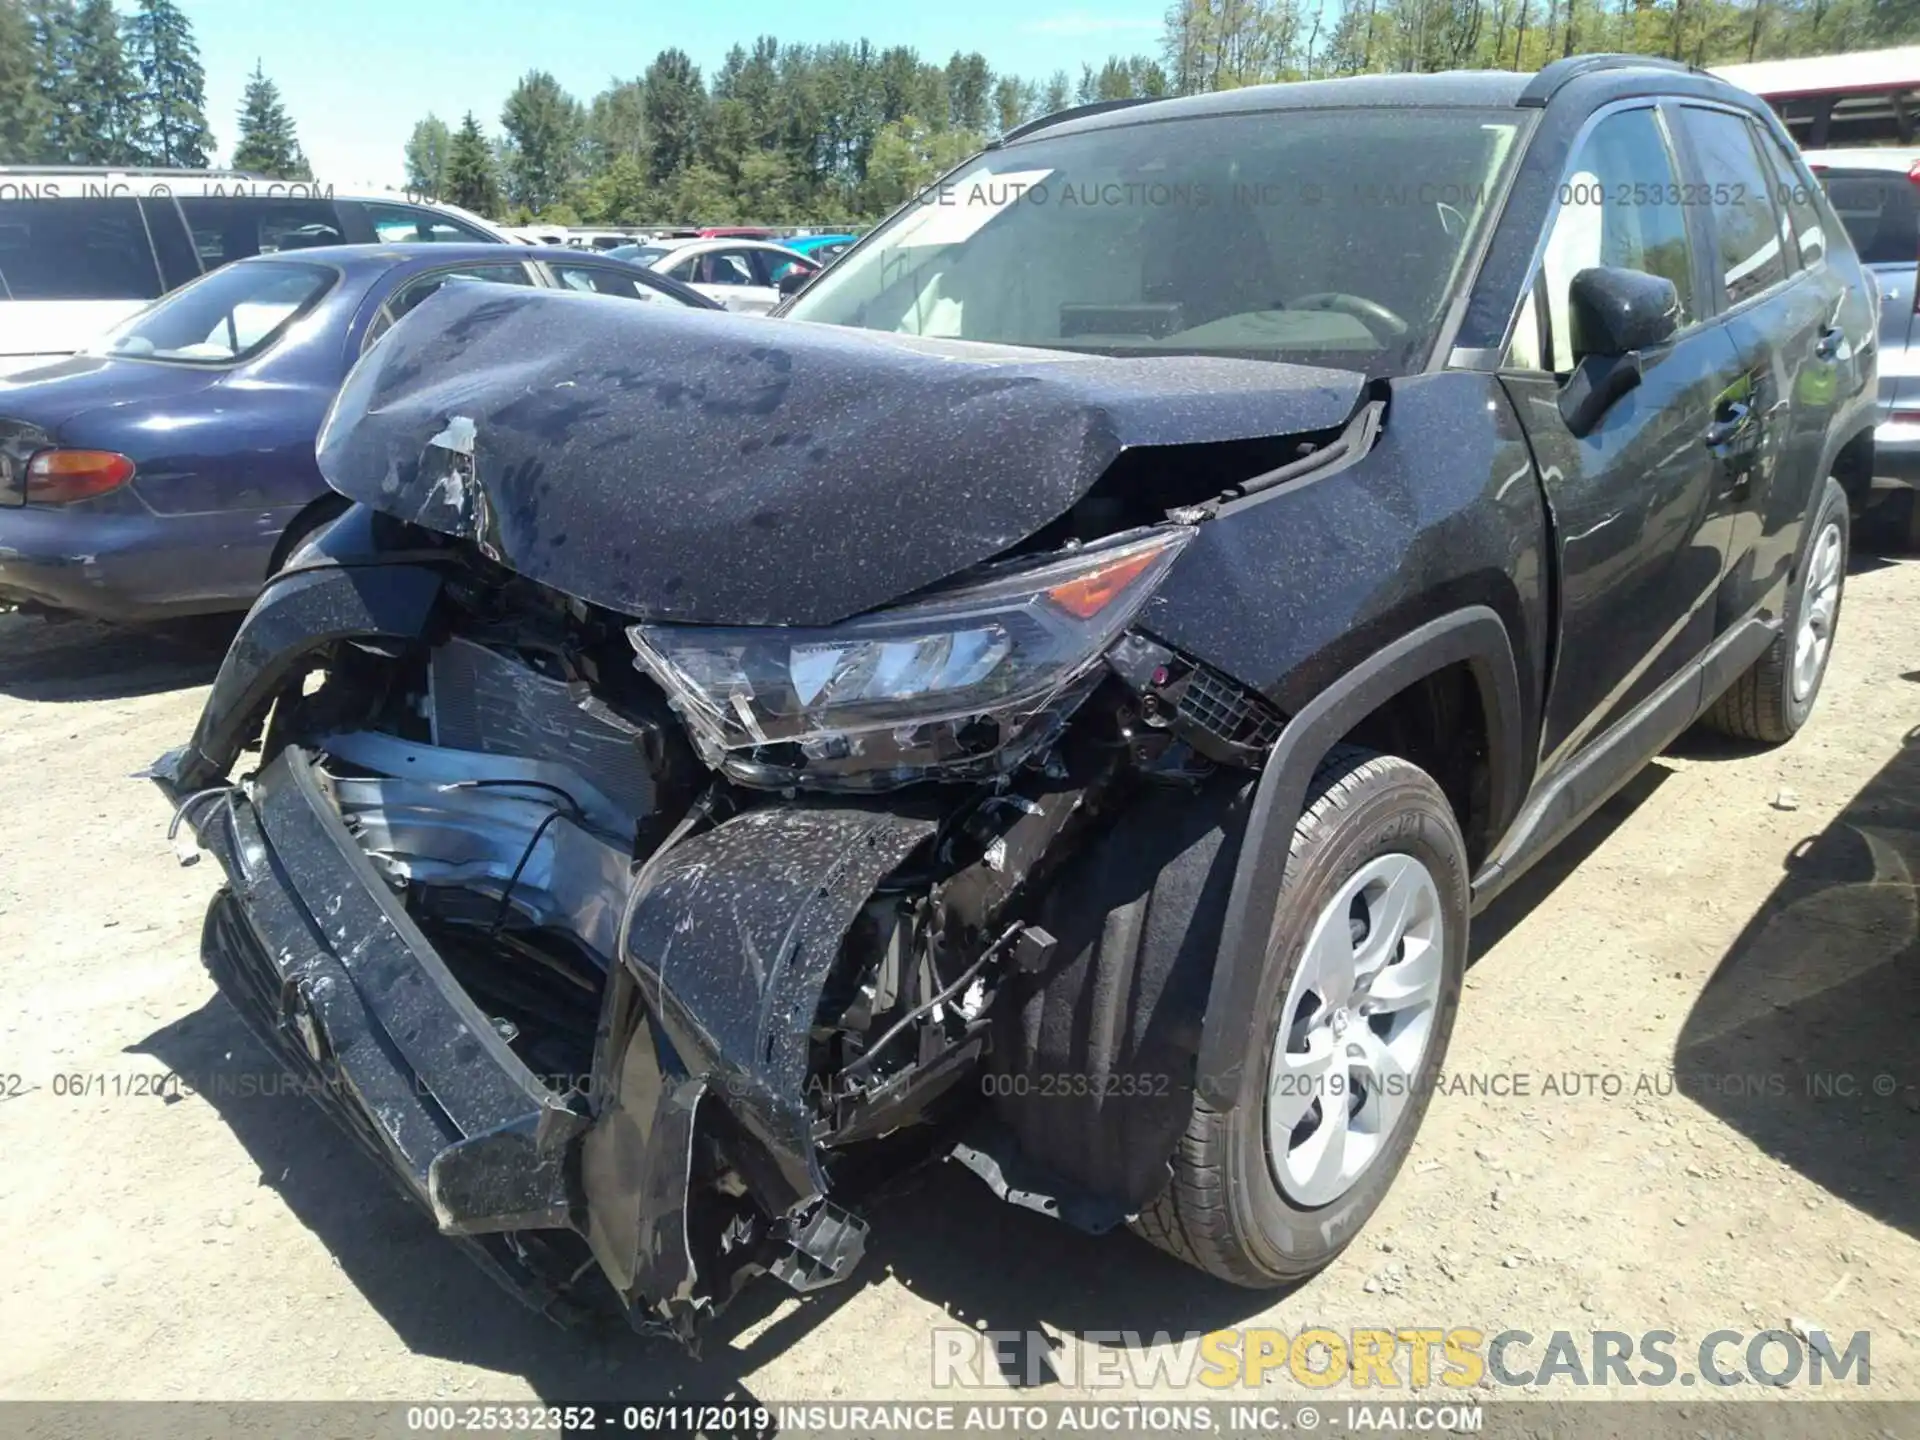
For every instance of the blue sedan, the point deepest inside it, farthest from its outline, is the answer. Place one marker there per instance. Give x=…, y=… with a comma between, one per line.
x=170, y=469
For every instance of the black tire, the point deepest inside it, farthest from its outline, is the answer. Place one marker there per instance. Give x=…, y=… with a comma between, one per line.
x=1224, y=1212
x=1761, y=705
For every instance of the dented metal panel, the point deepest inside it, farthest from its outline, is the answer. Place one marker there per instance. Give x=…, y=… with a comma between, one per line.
x=714, y=468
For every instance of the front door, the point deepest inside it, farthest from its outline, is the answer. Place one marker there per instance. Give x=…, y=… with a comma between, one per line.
x=1641, y=530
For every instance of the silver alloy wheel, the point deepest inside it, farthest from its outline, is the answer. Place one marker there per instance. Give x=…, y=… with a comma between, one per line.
x=1354, y=1029
x=1819, y=601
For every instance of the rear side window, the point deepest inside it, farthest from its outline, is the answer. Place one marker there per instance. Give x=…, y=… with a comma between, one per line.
x=226, y=316
x=1795, y=195
x=412, y=225
x=236, y=227
x=418, y=289
x=1740, y=196
x=91, y=249
x=1878, y=208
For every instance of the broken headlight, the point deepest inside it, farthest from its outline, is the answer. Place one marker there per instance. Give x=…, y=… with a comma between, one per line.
x=957, y=677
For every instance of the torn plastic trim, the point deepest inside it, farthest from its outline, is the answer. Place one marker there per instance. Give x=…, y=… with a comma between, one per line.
x=295, y=616
x=732, y=943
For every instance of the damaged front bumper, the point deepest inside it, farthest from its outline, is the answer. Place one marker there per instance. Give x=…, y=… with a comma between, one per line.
x=683, y=1161
x=325, y=965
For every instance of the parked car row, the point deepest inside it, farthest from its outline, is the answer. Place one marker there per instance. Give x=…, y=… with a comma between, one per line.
x=1055, y=698
x=169, y=468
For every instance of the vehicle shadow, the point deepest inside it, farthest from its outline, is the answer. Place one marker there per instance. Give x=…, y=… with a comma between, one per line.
x=1804, y=1038
x=930, y=1232
x=68, y=660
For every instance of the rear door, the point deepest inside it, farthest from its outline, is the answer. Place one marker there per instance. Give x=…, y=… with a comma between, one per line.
x=70, y=269
x=730, y=277
x=234, y=227
x=1640, y=534
x=1783, y=315
x=1881, y=210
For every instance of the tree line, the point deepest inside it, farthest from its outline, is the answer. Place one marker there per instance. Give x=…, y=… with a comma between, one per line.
x=780, y=133
x=842, y=133
x=835, y=133
x=82, y=84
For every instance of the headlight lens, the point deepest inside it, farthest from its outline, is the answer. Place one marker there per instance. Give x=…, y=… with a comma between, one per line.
x=955, y=677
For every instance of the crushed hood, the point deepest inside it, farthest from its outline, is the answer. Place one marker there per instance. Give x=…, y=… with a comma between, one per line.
x=713, y=468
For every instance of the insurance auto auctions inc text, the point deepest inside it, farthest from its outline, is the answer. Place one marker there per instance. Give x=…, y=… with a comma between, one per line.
x=1373, y=1359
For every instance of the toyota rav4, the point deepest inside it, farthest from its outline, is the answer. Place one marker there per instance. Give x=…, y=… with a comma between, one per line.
x=1053, y=701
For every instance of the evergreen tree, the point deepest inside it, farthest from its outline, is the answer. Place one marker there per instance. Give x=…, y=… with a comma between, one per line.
x=22, y=106
x=545, y=125
x=106, y=100
x=675, y=105
x=50, y=25
x=428, y=150
x=471, y=180
x=172, y=96
x=267, y=143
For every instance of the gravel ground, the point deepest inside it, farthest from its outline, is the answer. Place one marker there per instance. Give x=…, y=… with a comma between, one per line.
x=1708, y=997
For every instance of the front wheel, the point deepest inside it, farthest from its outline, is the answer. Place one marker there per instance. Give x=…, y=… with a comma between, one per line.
x=1773, y=699
x=1357, y=999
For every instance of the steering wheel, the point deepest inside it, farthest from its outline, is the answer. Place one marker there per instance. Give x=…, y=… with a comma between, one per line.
x=1381, y=322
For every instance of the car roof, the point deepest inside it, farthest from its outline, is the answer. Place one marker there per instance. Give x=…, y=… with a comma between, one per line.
x=1898, y=159
x=1466, y=89
x=456, y=252
x=733, y=242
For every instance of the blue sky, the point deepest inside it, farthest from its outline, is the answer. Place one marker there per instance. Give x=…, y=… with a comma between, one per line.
x=356, y=74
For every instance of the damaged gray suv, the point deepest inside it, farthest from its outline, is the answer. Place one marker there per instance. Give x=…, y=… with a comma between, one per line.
x=1050, y=702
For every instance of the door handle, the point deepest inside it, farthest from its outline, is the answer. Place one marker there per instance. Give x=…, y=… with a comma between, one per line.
x=1723, y=432
x=1829, y=343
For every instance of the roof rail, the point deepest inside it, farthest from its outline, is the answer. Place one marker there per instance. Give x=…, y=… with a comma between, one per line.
x=1544, y=86
x=157, y=170
x=1075, y=112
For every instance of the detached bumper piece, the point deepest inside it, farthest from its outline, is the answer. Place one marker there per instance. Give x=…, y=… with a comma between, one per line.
x=327, y=968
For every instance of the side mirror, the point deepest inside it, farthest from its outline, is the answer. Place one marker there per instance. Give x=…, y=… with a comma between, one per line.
x=1613, y=314
x=793, y=282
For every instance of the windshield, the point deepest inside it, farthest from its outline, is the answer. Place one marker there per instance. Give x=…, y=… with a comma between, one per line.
x=1334, y=237
x=228, y=315
x=639, y=254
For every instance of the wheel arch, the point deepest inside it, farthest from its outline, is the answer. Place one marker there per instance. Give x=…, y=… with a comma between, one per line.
x=1473, y=636
x=328, y=505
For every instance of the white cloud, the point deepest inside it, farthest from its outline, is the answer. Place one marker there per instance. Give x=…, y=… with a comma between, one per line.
x=1082, y=22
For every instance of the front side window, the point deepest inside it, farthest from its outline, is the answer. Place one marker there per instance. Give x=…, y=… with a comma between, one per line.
x=721, y=267
x=231, y=314
x=1620, y=205
x=411, y=225
x=774, y=267
x=91, y=249
x=1739, y=194
x=1333, y=236
x=234, y=227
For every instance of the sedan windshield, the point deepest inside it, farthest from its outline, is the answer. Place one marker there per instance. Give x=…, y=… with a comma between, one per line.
x=1333, y=237
x=233, y=313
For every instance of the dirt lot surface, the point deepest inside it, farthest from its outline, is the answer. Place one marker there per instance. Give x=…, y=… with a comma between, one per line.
x=1708, y=1003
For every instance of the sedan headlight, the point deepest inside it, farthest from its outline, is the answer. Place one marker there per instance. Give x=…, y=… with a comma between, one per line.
x=957, y=677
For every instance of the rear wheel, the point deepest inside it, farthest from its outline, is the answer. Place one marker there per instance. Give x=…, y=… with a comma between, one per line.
x=1772, y=700
x=1361, y=981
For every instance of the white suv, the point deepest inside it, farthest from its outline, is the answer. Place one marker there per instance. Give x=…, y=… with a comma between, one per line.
x=82, y=249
